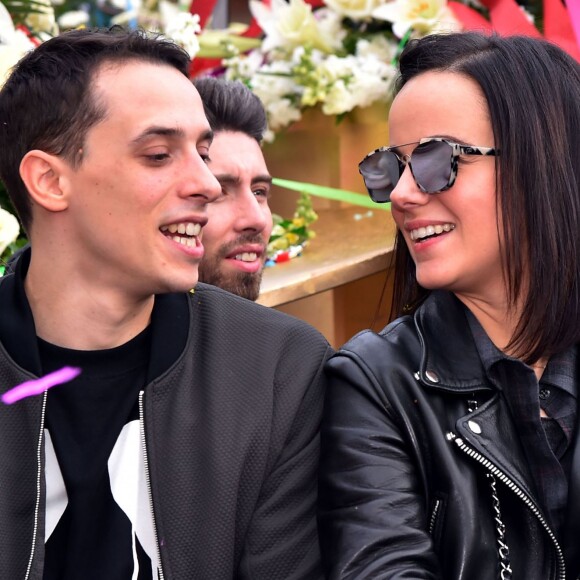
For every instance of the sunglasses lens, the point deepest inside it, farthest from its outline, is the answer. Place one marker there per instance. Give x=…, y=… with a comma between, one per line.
x=431, y=163
x=380, y=173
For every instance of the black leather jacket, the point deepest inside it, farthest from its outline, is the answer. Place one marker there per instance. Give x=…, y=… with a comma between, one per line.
x=412, y=431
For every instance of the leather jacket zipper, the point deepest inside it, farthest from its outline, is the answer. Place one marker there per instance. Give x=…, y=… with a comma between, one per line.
x=39, y=476
x=433, y=517
x=469, y=451
x=148, y=480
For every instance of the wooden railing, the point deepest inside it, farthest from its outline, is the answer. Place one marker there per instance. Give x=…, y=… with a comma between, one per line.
x=338, y=282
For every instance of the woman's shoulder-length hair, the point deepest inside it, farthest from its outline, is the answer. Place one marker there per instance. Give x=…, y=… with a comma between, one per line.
x=532, y=89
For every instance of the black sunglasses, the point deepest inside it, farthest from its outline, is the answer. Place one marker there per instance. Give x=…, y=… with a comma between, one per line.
x=433, y=164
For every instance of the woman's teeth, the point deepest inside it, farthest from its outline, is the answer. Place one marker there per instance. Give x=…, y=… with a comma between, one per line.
x=428, y=231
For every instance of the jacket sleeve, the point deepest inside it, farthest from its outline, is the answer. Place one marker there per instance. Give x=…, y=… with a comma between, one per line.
x=283, y=539
x=372, y=515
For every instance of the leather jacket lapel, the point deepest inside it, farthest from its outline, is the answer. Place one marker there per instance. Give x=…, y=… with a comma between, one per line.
x=491, y=432
x=449, y=360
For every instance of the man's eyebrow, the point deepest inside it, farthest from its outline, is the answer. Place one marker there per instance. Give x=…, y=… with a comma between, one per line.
x=207, y=136
x=160, y=131
x=262, y=179
x=226, y=177
x=230, y=178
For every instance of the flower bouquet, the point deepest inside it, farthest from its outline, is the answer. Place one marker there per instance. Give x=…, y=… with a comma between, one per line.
x=342, y=54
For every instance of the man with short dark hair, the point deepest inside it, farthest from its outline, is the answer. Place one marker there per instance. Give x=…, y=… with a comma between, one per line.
x=240, y=220
x=188, y=445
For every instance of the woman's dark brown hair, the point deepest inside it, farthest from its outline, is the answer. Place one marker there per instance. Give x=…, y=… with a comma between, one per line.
x=532, y=89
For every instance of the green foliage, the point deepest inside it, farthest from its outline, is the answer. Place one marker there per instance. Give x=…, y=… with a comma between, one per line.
x=287, y=233
x=20, y=9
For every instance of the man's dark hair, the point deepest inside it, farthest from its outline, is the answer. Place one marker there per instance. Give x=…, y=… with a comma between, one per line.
x=532, y=90
x=47, y=102
x=231, y=106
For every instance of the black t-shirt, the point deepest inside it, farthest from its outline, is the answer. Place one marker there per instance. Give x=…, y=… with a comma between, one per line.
x=89, y=535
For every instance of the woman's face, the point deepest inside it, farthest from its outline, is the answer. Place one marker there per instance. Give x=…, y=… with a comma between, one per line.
x=463, y=255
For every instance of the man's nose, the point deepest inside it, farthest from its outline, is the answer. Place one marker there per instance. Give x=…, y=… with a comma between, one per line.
x=202, y=183
x=252, y=214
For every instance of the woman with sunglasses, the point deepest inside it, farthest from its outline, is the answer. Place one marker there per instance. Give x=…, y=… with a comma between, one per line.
x=450, y=444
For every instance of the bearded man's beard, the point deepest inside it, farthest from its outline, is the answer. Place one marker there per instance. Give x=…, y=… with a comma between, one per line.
x=244, y=284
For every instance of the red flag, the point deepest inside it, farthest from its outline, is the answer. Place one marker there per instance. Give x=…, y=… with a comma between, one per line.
x=506, y=17
x=204, y=8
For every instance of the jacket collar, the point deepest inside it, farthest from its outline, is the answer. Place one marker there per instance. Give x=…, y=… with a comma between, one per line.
x=170, y=322
x=451, y=362
x=17, y=329
x=449, y=357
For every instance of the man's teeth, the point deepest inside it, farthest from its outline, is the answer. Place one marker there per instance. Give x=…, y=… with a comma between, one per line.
x=247, y=257
x=184, y=241
x=187, y=228
x=420, y=233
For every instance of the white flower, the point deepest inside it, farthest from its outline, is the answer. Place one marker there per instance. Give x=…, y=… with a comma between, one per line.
x=269, y=136
x=73, y=19
x=9, y=56
x=289, y=25
x=339, y=99
x=274, y=78
x=9, y=229
x=43, y=20
x=278, y=92
x=423, y=16
x=281, y=113
x=377, y=46
x=118, y=4
x=306, y=58
x=335, y=75
x=351, y=81
x=330, y=26
x=372, y=81
x=355, y=9
x=270, y=88
x=243, y=67
x=183, y=28
x=14, y=44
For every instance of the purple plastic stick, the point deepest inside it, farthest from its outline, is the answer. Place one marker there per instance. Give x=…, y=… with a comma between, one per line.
x=38, y=386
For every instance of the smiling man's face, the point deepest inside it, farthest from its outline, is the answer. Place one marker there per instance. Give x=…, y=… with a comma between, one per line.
x=139, y=197
x=240, y=221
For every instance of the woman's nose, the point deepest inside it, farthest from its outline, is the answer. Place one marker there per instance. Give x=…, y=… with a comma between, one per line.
x=407, y=191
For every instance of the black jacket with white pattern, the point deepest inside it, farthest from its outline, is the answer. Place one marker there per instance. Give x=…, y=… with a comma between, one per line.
x=231, y=419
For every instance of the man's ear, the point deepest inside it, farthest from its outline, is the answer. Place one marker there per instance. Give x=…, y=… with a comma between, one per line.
x=44, y=175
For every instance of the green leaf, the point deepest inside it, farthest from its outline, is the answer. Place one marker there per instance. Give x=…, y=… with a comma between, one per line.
x=217, y=44
x=331, y=193
x=20, y=9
